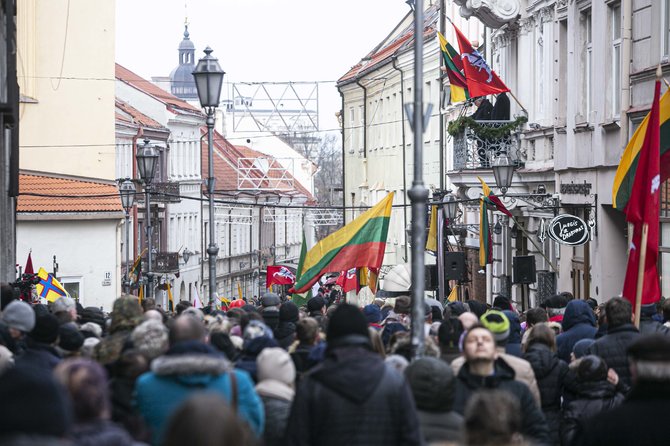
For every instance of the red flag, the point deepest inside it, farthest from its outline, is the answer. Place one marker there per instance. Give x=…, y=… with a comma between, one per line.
x=644, y=208
x=29, y=265
x=280, y=275
x=349, y=280
x=481, y=79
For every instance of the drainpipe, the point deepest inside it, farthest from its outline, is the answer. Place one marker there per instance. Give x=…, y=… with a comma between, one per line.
x=365, y=118
x=404, y=162
x=344, y=191
x=626, y=43
x=442, y=25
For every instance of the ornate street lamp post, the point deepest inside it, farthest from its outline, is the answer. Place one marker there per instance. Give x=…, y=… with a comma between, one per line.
x=127, y=193
x=208, y=77
x=147, y=158
x=503, y=171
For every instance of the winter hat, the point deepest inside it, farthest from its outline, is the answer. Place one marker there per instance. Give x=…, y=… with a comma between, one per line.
x=88, y=347
x=580, y=347
x=270, y=300
x=315, y=304
x=457, y=308
x=271, y=317
x=397, y=362
x=592, y=368
x=346, y=320
x=653, y=347
x=19, y=315
x=477, y=307
x=20, y=388
x=275, y=363
x=126, y=314
x=45, y=330
x=70, y=339
x=256, y=329
x=248, y=308
x=403, y=305
x=648, y=310
x=195, y=312
x=502, y=303
x=288, y=312
x=497, y=323
x=63, y=304
x=91, y=329
x=151, y=339
x=372, y=313
x=433, y=384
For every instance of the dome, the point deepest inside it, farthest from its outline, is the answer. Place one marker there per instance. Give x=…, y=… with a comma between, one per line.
x=182, y=83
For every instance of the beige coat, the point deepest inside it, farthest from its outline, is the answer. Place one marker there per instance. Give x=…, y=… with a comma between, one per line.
x=523, y=372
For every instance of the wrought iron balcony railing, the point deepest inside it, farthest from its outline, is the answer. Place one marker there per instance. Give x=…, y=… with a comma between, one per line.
x=472, y=150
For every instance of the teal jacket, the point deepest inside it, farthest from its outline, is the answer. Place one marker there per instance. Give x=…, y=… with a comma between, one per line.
x=187, y=368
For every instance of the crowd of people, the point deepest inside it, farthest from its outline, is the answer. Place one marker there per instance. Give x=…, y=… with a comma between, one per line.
x=571, y=372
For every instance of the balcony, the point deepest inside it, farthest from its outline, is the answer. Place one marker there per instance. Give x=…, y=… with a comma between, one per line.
x=492, y=13
x=475, y=147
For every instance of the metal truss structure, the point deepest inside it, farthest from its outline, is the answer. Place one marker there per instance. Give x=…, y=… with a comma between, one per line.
x=265, y=174
x=241, y=215
x=274, y=106
x=282, y=215
x=325, y=217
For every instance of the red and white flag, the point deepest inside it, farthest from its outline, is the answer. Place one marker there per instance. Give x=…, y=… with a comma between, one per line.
x=481, y=79
x=279, y=275
x=348, y=280
x=644, y=208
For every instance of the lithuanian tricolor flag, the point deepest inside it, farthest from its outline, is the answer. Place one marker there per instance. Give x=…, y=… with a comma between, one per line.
x=485, y=240
x=454, y=67
x=625, y=174
x=359, y=243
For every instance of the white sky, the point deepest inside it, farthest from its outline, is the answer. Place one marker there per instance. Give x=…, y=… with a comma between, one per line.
x=258, y=40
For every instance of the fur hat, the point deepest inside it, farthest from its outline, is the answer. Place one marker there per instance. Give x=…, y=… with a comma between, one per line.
x=45, y=330
x=19, y=315
x=497, y=323
x=91, y=329
x=270, y=300
x=275, y=363
x=580, y=347
x=150, y=338
x=403, y=305
x=63, y=304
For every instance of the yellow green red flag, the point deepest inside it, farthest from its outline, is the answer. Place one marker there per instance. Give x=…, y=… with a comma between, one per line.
x=360, y=243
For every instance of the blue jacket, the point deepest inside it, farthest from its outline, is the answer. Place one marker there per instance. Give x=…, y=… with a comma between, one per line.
x=187, y=368
x=579, y=322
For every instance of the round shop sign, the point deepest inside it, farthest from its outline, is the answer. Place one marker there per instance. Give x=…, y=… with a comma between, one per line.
x=568, y=230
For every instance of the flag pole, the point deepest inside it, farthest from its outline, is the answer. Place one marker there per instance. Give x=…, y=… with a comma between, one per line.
x=640, y=273
x=518, y=102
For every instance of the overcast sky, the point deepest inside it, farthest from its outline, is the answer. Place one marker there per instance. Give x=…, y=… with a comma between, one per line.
x=258, y=40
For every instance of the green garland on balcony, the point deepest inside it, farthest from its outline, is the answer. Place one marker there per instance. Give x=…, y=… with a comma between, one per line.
x=457, y=126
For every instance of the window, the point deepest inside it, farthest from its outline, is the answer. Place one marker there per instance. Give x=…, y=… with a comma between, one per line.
x=586, y=60
x=615, y=25
x=361, y=127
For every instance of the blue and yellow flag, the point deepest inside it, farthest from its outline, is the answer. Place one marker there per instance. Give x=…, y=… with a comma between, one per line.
x=48, y=287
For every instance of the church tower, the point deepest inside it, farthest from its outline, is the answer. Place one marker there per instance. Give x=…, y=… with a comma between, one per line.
x=182, y=83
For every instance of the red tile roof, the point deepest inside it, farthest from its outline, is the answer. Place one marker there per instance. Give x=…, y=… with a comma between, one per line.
x=383, y=52
x=226, y=170
x=43, y=192
x=129, y=114
x=174, y=103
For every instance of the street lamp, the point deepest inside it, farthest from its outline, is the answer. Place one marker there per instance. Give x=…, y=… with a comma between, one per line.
x=503, y=170
x=208, y=77
x=450, y=206
x=147, y=158
x=127, y=193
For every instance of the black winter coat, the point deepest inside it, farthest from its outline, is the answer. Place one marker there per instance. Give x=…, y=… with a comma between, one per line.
x=276, y=414
x=550, y=373
x=590, y=399
x=441, y=427
x=613, y=349
x=100, y=433
x=352, y=398
x=639, y=420
x=534, y=424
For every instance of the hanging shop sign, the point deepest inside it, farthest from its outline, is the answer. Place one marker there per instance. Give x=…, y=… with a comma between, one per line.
x=568, y=230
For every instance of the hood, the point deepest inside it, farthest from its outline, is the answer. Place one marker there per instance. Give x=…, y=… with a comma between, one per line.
x=541, y=359
x=514, y=327
x=254, y=346
x=502, y=372
x=595, y=389
x=272, y=388
x=578, y=312
x=126, y=314
x=191, y=362
x=353, y=372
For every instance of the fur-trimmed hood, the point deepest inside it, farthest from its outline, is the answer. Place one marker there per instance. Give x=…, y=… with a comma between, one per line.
x=190, y=358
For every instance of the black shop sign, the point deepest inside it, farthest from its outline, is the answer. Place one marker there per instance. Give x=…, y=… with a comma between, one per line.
x=568, y=230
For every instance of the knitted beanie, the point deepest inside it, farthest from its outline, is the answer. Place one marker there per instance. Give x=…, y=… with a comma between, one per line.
x=497, y=323
x=275, y=363
x=19, y=315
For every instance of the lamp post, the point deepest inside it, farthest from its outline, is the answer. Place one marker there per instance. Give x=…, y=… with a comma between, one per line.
x=147, y=158
x=208, y=77
x=127, y=193
x=503, y=171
